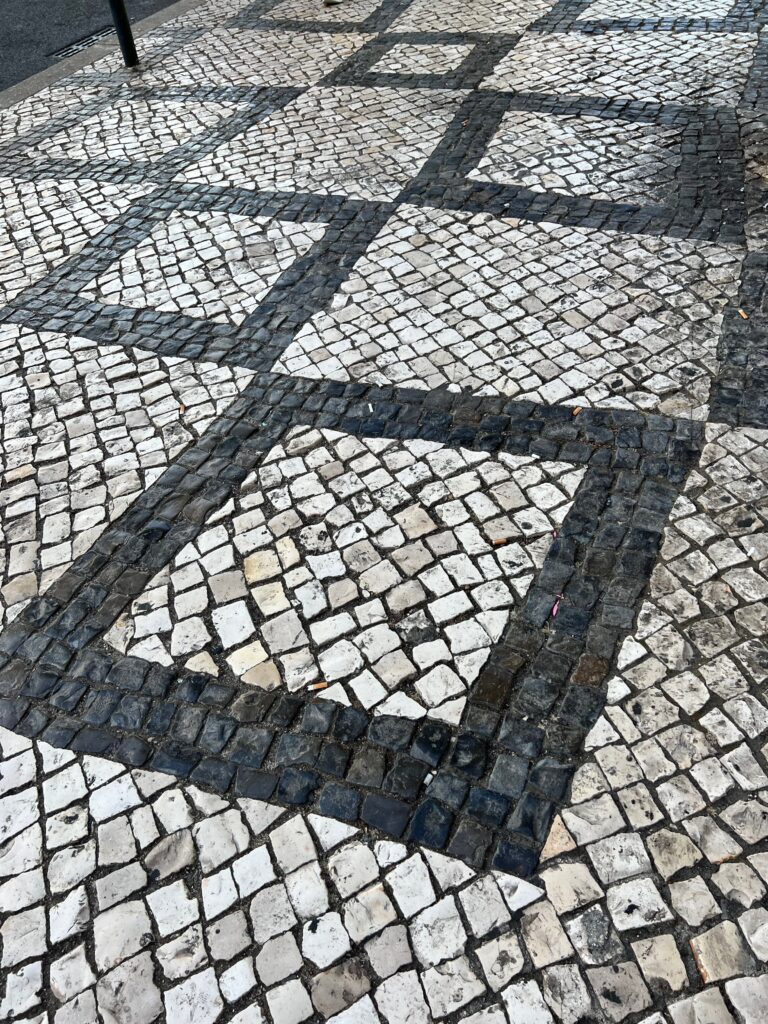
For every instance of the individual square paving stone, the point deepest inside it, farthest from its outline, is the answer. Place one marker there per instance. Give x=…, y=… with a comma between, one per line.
x=411, y=885
x=243, y=56
x=278, y=959
x=225, y=264
x=368, y=912
x=467, y=528
x=501, y=960
x=450, y=986
x=334, y=141
x=389, y=951
x=566, y=994
x=271, y=913
x=352, y=867
x=543, y=935
x=129, y=994
x=484, y=906
x=183, y=954
x=120, y=932
x=672, y=852
x=693, y=900
x=228, y=936
x=620, y=990
x=23, y=936
x=594, y=937
x=680, y=798
x=618, y=161
x=44, y=222
x=324, y=940
x=748, y=995
x=687, y=67
x=138, y=131
x=524, y=1002
x=739, y=883
x=237, y=980
x=400, y=999
x=721, y=952
x=636, y=904
x=748, y=819
x=707, y=1005
x=410, y=315
x=334, y=990
x=289, y=1003
x=660, y=962
x=196, y=1000
x=421, y=59
x=220, y=838
x=172, y=908
x=486, y=17
x=619, y=857
x=754, y=925
x=570, y=886
x=593, y=819
x=438, y=933
x=716, y=845
x=22, y=989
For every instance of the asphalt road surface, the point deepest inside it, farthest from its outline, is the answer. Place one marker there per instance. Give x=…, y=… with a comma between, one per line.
x=32, y=32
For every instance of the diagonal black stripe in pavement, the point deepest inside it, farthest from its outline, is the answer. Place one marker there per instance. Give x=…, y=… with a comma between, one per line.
x=495, y=780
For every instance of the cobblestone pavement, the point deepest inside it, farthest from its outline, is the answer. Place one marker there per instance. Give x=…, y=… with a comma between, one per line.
x=384, y=577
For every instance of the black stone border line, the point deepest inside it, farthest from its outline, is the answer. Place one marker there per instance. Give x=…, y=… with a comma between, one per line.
x=486, y=790
x=494, y=782
x=710, y=206
x=485, y=54
x=256, y=102
x=710, y=178
x=739, y=393
x=55, y=302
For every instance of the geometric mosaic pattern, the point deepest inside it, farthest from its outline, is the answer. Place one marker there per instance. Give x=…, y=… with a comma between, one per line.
x=380, y=572
x=85, y=430
x=383, y=440
x=305, y=146
x=485, y=16
x=415, y=59
x=262, y=58
x=604, y=9
x=44, y=222
x=582, y=156
x=687, y=67
x=169, y=903
x=135, y=132
x=227, y=265
x=619, y=320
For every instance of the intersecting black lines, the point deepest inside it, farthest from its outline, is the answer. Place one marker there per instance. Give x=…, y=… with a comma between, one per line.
x=499, y=775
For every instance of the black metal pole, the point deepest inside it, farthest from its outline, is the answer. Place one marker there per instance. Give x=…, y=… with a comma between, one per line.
x=124, y=34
